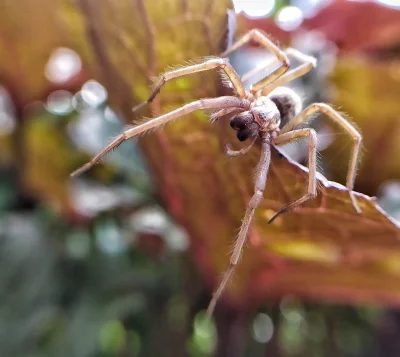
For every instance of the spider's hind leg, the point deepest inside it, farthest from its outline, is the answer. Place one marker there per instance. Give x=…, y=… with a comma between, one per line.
x=259, y=187
x=350, y=130
x=312, y=165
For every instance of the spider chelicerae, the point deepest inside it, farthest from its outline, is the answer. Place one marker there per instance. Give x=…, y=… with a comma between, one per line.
x=267, y=112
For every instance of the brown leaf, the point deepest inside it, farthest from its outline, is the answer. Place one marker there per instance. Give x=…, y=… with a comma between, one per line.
x=323, y=250
x=207, y=193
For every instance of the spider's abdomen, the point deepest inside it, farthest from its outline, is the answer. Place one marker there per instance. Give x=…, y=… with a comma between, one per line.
x=288, y=103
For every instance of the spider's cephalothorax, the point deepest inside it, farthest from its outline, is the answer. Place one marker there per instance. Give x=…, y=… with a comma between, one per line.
x=267, y=114
x=263, y=116
x=267, y=111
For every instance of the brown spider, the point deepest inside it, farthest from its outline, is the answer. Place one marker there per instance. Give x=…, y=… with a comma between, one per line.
x=267, y=112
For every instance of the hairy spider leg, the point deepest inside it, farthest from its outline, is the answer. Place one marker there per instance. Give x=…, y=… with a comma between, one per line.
x=350, y=129
x=261, y=38
x=208, y=64
x=245, y=77
x=307, y=64
x=312, y=165
x=220, y=113
x=208, y=103
x=259, y=187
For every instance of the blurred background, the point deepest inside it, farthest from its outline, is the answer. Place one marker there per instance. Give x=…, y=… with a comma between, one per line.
x=122, y=261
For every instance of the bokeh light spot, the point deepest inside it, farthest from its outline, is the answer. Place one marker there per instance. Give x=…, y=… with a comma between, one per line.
x=263, y=328
x=254, y=8
x=62, y=65
x=289, y=18
x=7, y=124
x=60, y=102
x=391, y=3
x=93, y=93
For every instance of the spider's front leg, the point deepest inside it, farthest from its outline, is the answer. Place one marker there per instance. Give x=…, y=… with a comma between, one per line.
x=307, y=63
x=259, y=187
x=312, y=165
x=261, y=38
x=350, y=129
x=209, y=103
x=208, y=64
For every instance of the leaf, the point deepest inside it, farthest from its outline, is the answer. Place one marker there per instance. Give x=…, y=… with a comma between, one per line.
x=323, y=250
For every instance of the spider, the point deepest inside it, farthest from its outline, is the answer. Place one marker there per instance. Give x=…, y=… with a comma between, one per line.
x=266, y=112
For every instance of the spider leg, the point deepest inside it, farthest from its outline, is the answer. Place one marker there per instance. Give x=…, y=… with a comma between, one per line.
x=350, y=129
x=230, y=152
x=312, y=165
x=261, y=38
x=208, y=64
x=307, y=64
x=209, y=103
x=220, y=113
x=245, y=77
x=260, y=182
